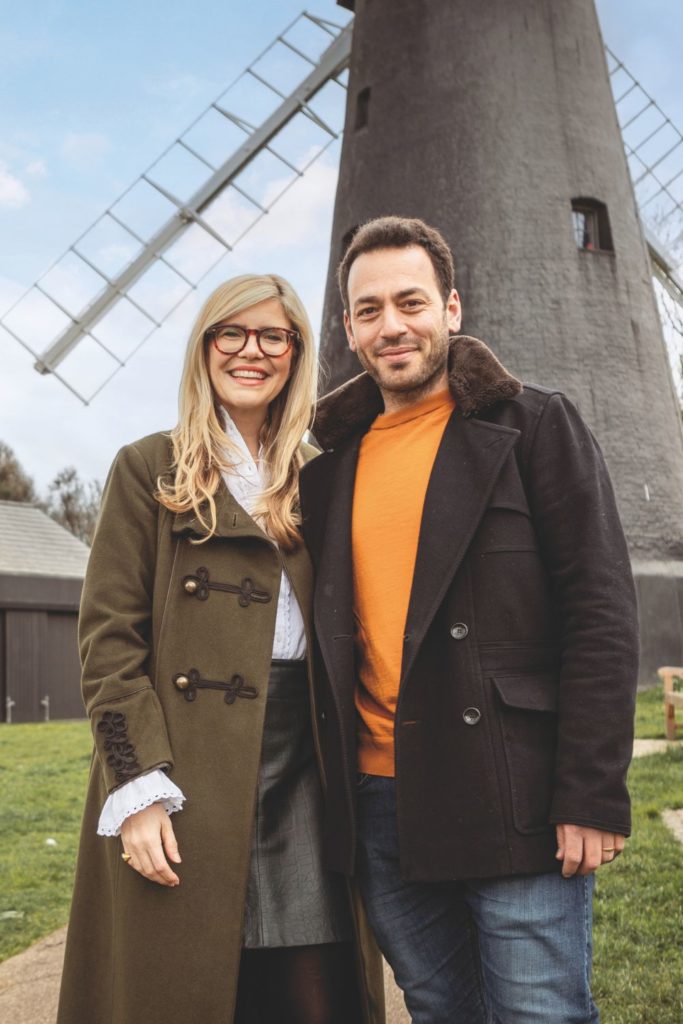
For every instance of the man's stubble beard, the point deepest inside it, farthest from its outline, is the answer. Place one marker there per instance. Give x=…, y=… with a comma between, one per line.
x=408, y=392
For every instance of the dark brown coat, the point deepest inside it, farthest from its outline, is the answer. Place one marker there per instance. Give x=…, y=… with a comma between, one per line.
x=519, y=669
x=137, y=951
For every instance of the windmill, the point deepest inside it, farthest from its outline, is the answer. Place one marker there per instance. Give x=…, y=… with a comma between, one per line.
x=495, y=122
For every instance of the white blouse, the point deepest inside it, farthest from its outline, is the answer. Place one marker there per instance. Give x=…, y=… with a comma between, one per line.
x=245, y=480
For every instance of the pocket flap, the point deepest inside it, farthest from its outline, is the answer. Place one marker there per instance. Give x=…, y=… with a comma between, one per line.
x=531, y=692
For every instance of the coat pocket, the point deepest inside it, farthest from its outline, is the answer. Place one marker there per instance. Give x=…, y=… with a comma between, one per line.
x=528, y=718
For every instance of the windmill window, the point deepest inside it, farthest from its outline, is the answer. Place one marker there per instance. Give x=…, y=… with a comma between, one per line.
x=585, y=229
x=590, y=222
x=362, y=108
x=347, y=239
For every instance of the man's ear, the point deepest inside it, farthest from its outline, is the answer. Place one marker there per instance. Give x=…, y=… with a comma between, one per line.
x=453, y=312
x=349, y=333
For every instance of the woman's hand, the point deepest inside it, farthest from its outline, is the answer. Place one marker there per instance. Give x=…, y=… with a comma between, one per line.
x=147, y=836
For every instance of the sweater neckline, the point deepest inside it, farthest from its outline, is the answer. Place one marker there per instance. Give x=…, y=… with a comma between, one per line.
x=412, y=412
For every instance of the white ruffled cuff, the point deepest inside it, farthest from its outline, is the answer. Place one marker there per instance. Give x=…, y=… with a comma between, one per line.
x=143, y=791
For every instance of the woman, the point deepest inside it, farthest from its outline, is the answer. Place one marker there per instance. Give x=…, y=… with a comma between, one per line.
x=212, y=906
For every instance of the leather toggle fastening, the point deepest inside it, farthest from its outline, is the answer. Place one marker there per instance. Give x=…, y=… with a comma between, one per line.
x=199, y=586
x=189, y=682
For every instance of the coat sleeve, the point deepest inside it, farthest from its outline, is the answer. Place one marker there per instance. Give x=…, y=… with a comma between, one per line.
x=115, y=626
x=584, y=550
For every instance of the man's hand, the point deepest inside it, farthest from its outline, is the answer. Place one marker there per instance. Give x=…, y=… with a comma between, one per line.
x=146, y=836
x=582, y=850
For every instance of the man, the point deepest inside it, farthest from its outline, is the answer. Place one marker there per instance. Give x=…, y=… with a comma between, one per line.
x=477, y=650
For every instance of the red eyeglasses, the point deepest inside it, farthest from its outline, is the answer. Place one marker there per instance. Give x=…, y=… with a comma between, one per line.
x=230, y=339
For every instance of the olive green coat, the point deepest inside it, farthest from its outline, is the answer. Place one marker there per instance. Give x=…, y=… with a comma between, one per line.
x=137, y=950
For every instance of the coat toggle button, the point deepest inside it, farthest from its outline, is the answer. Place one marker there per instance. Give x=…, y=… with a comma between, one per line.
x=181, y=682
x=459, y=631
x=191, y=586
x=471, y=716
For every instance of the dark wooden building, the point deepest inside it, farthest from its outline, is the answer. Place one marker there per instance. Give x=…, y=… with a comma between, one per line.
x=41, y=574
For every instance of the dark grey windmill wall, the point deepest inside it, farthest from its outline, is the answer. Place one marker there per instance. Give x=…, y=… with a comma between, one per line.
x=487, y=120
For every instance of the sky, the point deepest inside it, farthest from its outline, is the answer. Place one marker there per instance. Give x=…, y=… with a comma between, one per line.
x=92, y=93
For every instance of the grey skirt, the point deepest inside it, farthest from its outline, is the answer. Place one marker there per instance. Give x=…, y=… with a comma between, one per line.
x=291, y=900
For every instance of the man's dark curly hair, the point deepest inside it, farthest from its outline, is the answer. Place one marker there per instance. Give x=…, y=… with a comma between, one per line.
x=398, y=233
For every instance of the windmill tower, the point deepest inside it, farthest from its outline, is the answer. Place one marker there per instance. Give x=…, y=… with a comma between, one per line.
x=496, y=123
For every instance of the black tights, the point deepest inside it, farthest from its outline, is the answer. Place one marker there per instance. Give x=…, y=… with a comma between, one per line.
x=298, y=985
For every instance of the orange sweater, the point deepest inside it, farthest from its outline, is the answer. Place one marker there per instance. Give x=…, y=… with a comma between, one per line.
x=394, y=465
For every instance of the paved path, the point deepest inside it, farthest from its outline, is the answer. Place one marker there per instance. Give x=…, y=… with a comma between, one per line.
x=29, y=982
x=643, y=747
x=29, y=985
x=674, y=821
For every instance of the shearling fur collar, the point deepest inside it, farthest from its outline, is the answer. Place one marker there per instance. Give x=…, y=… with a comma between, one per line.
x=476, y=379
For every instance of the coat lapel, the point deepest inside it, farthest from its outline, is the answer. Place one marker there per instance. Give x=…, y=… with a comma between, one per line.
x=470, y=457
x=231, y=519
x=333, y=606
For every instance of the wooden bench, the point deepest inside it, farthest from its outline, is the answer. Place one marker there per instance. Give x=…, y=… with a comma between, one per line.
x=672, y=677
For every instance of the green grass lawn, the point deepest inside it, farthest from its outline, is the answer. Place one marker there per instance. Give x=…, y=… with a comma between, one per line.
x=638, y=970
x=43, y=776
x=638, y=973
x=650, y=715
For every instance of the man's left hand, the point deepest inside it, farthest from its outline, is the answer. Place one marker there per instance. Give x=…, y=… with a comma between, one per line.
x=582, y=849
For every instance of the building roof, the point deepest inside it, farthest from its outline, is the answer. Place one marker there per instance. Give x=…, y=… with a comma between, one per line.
x=33, y=544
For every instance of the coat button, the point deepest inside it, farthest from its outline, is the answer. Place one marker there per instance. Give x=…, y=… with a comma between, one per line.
x=323, y=717
x=471, y=716
x=191, y=586
x=181, y=682
x=459, y=631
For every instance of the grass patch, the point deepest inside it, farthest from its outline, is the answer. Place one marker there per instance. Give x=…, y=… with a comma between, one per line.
x=638, y=970
x=650, y=714
x=43, y=775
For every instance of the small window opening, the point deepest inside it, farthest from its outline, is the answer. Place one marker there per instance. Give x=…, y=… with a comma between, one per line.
x=591, y=225
x=362, y=108
x=585, y=229
x=347, y=239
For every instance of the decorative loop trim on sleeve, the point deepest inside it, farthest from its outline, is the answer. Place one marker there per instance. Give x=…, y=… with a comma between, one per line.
x=122, y=756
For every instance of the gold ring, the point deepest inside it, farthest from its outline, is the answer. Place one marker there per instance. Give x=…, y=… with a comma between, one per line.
x=608, y=849
x=126, y=856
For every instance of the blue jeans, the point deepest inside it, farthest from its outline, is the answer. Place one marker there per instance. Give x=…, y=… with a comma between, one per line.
x=485, y=951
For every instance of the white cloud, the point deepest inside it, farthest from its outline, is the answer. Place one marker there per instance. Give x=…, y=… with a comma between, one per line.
x=85, y=148
x=37, y=169
x=13, y=193
x=176, y=87
x=9, y=293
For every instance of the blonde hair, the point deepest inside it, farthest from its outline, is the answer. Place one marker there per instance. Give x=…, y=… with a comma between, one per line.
x=201, y=449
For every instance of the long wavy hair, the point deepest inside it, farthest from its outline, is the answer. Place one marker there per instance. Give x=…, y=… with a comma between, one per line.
x=201, y=449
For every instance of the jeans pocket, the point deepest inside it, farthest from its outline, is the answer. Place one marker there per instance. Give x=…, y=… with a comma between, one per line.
x=363, y=779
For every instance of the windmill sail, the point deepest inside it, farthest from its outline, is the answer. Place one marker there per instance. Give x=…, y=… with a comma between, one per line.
x=124, y=276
